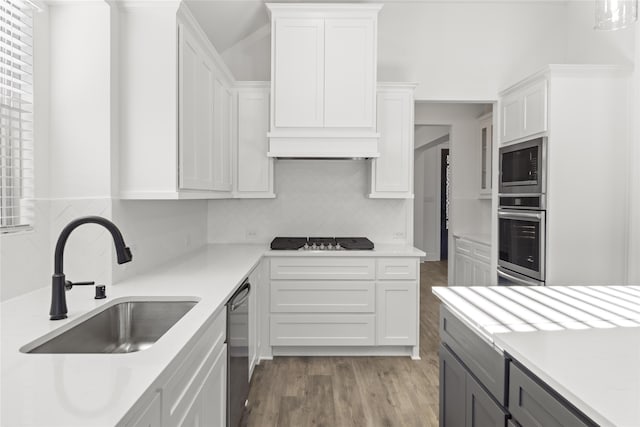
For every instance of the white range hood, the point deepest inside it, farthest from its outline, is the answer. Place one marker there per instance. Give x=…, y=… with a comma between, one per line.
x=323, y=80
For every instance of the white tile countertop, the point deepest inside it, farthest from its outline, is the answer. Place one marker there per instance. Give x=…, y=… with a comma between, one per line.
x=380, y=250
x=583, y=341
x=98, y=389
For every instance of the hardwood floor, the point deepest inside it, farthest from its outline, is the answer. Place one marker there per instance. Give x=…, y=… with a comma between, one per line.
x=355, y=391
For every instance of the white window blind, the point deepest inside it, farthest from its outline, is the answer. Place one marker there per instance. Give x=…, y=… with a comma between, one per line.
x=16, y=115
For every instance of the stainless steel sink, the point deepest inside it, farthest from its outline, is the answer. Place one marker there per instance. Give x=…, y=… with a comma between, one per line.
x=121, y=328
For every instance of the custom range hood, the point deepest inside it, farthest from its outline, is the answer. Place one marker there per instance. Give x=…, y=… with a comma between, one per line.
x=323, y=80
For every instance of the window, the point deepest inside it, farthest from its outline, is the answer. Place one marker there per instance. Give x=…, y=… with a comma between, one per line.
x=16, y=115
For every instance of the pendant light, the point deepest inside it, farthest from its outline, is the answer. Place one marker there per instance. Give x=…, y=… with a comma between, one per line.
x=615, y=14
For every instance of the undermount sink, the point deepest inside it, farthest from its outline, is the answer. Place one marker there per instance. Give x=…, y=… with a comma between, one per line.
x=125, y=327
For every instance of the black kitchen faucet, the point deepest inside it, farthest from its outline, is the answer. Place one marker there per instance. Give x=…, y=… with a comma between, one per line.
x=58, y=282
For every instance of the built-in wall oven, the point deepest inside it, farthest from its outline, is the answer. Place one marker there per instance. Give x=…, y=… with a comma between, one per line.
x=521, y=243
x=522, y=213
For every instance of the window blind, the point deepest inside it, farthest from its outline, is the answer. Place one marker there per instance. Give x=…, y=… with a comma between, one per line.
x=16, y=116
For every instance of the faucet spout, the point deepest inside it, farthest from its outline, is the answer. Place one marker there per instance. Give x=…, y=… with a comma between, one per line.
x=58, y=297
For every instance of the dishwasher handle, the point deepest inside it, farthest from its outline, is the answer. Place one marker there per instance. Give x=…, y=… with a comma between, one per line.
x=240, y=296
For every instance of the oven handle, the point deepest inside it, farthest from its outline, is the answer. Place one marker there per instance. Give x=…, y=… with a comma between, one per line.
x=512, y=278
x=520, y=215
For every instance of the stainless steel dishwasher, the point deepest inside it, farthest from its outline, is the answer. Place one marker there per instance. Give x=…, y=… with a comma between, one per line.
x=238, y=354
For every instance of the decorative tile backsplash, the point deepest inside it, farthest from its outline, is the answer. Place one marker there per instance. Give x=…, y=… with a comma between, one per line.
x=314, y=197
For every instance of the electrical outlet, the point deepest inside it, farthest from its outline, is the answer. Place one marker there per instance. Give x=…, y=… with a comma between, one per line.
x=397, y=235
x=252, y=235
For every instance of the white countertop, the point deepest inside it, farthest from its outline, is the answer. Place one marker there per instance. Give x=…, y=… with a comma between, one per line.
x=584, y=341
x=98, y=389
x=380, y=250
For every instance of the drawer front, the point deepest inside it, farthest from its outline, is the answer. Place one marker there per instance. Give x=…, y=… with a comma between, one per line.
x=464, y=246
x=482, y=252
x=323, y=268
x=532, y=405
x=397, y=269
x=312, y=296
x=177, y=391
x=481, y=359
x=322, y=329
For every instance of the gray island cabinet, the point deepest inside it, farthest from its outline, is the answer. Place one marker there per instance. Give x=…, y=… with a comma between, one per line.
x=481, y=386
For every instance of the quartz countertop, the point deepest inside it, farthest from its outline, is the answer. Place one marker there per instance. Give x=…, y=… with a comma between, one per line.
x=99, y=389
x=380, y=250
x=583, y=341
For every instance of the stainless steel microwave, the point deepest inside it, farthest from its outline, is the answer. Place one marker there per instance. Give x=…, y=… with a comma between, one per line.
x=523, y=168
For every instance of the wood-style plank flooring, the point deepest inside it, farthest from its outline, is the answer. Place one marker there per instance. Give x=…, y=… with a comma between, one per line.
x=355, y=391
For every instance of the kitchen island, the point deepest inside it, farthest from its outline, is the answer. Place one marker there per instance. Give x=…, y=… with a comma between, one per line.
x=549, y=355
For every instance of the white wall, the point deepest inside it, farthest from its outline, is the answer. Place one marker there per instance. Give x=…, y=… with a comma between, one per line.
x=250, y=59
x=314, y=198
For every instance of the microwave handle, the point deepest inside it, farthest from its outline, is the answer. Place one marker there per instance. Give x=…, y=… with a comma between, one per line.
x=517, y=280
x=520, y=215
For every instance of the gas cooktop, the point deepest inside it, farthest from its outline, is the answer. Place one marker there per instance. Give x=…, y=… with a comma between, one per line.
x=321, y=243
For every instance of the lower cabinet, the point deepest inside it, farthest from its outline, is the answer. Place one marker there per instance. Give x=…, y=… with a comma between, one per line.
x=195, y=393
x=463, y=401
x=531, y=404
x=256, y=279
x=472, y=263
x=344, y=302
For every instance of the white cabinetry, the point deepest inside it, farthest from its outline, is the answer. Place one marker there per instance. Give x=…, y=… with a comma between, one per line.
x=323, y=82
x=581, y=110
x=175, y=107
x=472, y=263
x=524, y=111
x=486, y=153
x=194, y=393
x=256, y=306
x=254, y=170
x=392, y=172
x=368, y=305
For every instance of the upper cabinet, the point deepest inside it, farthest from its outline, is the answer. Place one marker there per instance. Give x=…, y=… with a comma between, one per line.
x=254, y=170
x=486, y=150
x=392, y=172
x=323, y=68
x=524, y=110
x=176, y=111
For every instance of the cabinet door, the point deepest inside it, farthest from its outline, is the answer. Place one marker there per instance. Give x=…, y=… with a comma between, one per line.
x=481, y=272
x=535, y=108
x=396, y=313
x=349, y=73
x=464, y=266
x=195, y=115
x=453, y=394
x=255, y=169
x=209, y=406
x=482, y=411
x=392, y=172
x=254, y=315
x=298, y=72
x=512, y=118
x=486, y=147
x=222, y=137
x=150, y=416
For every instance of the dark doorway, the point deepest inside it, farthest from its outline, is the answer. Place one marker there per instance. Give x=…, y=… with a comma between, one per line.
x=445, y=173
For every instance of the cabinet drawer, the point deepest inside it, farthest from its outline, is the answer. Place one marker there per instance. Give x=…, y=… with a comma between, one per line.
x=482, y=252
x=532, y=405
x=180, y=387
x=311, y=296
x=322, y=329
x=464, y=246
x=397, y=269
x=323, y=268
x=481, y=358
